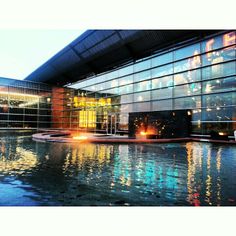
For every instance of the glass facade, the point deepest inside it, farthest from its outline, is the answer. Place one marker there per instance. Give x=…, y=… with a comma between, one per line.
x=24, y=104
x=200, y=76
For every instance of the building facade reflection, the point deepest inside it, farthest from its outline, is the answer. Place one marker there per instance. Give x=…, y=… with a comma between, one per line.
x=156, y=174
x=15, y=159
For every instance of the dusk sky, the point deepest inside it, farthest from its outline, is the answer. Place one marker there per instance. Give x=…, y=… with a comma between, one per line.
x=23, y=51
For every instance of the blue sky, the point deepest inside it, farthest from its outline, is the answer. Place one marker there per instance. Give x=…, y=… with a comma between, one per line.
x=23, y=51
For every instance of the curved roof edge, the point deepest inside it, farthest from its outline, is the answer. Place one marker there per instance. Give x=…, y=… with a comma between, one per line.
x=96, y=51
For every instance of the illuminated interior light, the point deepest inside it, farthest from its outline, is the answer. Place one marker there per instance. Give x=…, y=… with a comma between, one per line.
x=28, y=104
x=208, y=88
x=208, y=109
x=19, y=94
x=229, y=39
x=143, y=133
x=221, y=133
x=217, y=81
x=81, y=137
x=218, y=108
x=189, y=113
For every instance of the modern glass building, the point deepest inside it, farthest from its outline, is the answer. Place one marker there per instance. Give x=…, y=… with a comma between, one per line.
x=102, y=77
x=24, y=104
x=200, y=76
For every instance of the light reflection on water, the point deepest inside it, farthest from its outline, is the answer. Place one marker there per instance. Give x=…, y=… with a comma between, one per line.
x=190, y=173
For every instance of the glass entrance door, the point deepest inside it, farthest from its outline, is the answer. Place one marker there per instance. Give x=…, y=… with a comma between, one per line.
x=111, y=124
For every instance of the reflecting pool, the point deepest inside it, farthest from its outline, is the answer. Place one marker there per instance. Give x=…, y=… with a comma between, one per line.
x=57, y=174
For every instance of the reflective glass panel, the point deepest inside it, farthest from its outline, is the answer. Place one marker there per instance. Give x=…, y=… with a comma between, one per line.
x=144, y=96
x=187, y=89
x=187, y=77
x=16, y=110
x=126, y=98
x=113, y=83
x=162, y=70
x=144, y=106
x=166, y=81
x=162, y=105
x=17, y=117
x=126, y=70
x=215, y=57
x=125, y=80
x=219, y=114
x=94, y=80
x=187, y=102
x=142, y=76
x=196, y=114
x=126, y=108
x=162, y=93
x=196, y=128
x=219, y=70
x=218, y=42
x=142, y=86
x=225, y=127
x=187, y=64
x=143, y=65
x=219, y=85
x=162, y=59
x=3, y=116
x=217, y=100
x=126, y=89
x=188, y=51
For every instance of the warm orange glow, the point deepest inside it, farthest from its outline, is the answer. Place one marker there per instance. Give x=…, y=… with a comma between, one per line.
x=23, y=160
x=82, y=137
x=143, y=133
x=148, y=132
x=229, y=39
x=221, y=133
x=19, y=94
x=87, y=119
x=91, y=102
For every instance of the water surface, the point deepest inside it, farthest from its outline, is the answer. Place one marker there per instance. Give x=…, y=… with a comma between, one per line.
x=57, y=174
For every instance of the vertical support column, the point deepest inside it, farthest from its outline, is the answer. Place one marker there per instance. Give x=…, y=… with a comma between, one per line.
x=57, y=107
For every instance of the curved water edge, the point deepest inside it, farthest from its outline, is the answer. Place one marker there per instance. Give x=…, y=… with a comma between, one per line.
x=67, y=137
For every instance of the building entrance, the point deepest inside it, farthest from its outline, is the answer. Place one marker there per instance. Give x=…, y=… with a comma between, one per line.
x=111, y=124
